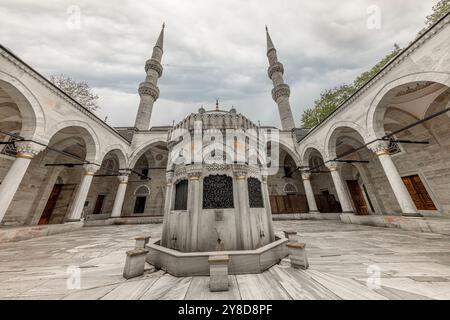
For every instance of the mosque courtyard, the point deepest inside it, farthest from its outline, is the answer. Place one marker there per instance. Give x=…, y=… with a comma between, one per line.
x=346, y=262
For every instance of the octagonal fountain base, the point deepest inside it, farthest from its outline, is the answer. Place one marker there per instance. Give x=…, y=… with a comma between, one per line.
x=181, y=264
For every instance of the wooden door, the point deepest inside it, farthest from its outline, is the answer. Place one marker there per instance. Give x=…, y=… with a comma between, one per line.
x=51, y=203
x=273, y=204
x=99, y=204
x=288, y=204
x=419, y=193
x=357, y=197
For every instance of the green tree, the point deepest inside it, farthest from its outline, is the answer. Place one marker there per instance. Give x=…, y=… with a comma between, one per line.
x=439, y=10
x=330, y=99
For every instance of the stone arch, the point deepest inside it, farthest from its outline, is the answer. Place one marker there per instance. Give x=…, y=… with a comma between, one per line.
x=292, y=153
x=32, y=115
x=139, y=152
x=290, y=188
x=308, y=150
x=441, y=103
x=119, y=151
x=378, y=106
x=142, y=190
x=333, y=134
x=86, y=133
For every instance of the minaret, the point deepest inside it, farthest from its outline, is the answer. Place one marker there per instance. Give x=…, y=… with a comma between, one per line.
x=281, y=91
x=148, y=90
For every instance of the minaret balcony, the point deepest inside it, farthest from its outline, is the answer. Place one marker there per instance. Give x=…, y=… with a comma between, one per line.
x=276, y=67
x=281, y=90
x=153, y=64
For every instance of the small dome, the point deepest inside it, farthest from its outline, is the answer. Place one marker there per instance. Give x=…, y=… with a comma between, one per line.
x=233, y=110
x=201, y=110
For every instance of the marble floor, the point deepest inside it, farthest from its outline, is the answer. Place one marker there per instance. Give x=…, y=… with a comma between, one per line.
x=347, y=262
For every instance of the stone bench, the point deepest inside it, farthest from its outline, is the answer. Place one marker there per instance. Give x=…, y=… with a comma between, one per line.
x=297, y=254
x=218, y=272
x=293, y=236
x=141, y=242
x=135, y=263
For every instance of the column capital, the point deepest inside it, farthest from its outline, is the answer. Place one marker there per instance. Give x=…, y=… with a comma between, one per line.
x=123, y=178
x=28, y=149
x=332, y=165
x=194, y=172
x=90, y=169
x=240, y=171
x=306, y=175
x=379, y=147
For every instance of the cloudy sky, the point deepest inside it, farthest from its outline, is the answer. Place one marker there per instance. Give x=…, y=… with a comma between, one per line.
x=212, y=48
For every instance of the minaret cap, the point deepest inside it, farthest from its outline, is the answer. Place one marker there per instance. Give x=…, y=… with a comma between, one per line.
x=160, y=41
x=270, y=45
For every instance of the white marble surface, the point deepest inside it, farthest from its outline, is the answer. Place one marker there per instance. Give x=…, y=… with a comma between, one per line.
x=411, y=265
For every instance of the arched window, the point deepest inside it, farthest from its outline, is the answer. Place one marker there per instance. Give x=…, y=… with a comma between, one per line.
x=110, y=166
x=218, y=192
x=255, y=193
x=181, y=195
x=290, y=188
x=141, y=194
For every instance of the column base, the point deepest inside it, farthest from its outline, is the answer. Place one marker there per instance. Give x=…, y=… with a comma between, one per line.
x=310, y=212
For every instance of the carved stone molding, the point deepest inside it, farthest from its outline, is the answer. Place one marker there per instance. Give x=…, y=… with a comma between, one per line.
x=90, y=169
x=380, y=148
x=28, y=149
x=240, y=171
x=149, y=89
x=281, y=90
x=306, y=175
x=276, y=67
x=123, y=179
x=169, y=177
x=217, y=167
x=154, y=65
x=332, y=166
x=194, y=172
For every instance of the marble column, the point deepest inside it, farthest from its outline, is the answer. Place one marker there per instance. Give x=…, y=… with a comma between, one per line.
x=268, y=208
x=340, y=188
x=82, y=193
x=120, y=195
x=26, y=151
x=243, y=205
x=381, y=149
x=306, y=177
x=194, y=203
x=165, y=240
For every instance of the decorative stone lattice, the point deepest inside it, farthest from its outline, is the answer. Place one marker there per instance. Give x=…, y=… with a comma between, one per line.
x=218, y=192
x=255, y=193
x=281, y=90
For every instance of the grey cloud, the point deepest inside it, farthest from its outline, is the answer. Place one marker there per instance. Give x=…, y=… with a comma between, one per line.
x=212, y=48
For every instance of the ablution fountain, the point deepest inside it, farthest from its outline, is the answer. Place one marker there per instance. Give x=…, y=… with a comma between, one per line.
x=217, y=199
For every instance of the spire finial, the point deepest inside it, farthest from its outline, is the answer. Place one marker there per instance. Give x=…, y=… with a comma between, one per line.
x=160, y=41
x=217, y=104
x=269, y=40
